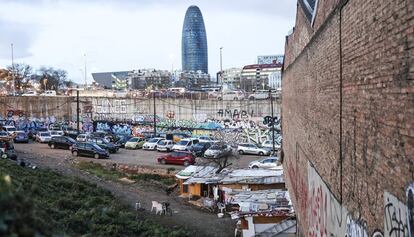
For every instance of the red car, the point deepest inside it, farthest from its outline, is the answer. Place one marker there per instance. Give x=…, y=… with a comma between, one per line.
x=178, y=158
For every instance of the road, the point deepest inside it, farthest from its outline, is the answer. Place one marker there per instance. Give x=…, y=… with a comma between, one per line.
x=128, y=157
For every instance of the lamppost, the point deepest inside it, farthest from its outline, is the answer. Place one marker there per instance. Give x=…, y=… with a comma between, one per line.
x=273, y=121
x=13, y=77
x=86, y=83
x=221, y=66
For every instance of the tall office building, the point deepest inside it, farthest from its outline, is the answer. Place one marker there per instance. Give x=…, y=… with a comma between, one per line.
x=194, y=42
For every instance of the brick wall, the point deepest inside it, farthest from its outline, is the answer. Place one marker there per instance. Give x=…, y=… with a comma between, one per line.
x=348, y=118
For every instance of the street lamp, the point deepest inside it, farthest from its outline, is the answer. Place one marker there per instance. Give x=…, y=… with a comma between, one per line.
x=221, y=65
x=273, y=121
x=13, y=77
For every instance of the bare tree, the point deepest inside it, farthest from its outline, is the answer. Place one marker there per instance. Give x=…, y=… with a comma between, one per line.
x=21, y=73
x=52, y=78
x=226, y=151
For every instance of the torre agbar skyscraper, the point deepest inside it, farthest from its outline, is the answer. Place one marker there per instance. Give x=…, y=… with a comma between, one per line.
x=194, y=42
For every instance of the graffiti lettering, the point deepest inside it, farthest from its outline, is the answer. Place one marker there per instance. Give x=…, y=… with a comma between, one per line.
x=395, y=217
x=235, y=114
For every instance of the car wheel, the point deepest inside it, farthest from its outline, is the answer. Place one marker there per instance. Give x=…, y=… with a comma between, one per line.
x=251, y=98
x=186, y=163
x=168, y=150
x=155, y=147
x=75, y=153
x=261, y=153
x=241, y=152
x=162, y=161
x=235, y=98
x=52, y=146
x=255, y=167
x=96, y=156
x=219, y=98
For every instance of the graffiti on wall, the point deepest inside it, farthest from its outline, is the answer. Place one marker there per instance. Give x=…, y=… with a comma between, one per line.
x=106, y=109
x=235, y=113
x=396, y=217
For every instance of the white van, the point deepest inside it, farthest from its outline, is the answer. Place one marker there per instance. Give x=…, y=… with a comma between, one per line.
x=179, y=90
x=9, y=129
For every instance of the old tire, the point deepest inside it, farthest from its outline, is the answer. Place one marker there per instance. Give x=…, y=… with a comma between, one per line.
x=96, y=156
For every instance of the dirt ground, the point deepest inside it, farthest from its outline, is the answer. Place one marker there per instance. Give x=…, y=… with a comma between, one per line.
x=200, y=222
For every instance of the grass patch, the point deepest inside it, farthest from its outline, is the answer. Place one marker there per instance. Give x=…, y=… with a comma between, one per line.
x=44, y=203
x=104, y=173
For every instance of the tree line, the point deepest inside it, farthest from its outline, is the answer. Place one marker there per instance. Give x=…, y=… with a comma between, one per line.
x=25, y=77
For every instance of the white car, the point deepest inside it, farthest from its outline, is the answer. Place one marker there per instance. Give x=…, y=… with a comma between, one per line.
x=56, y=133
x=231, y=95
x=152, y=143
x=259, y=95
x=43, y=137
x=205, y=139
x=165, y=145
x=269, y=144
x=48, y=93
x=215, y=150
x=4, y=134
x=9, y=129
x=249, y=148
x=30, y=93
x=267, y=163
x=184, y=144
x=82, y=137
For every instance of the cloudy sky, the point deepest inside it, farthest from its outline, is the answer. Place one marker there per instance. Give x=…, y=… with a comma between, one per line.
x=132, y=34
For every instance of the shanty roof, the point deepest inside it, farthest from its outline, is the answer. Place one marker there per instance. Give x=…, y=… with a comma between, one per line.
x=199, y=171
x=246, y=176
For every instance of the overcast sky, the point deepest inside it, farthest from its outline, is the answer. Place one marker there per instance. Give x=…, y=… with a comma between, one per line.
x=121, y=35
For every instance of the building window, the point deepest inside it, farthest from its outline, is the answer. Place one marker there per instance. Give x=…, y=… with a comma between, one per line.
x=185, y=188
x=309, y=8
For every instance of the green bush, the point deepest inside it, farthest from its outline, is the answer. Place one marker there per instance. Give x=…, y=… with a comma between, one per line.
x=42, y=202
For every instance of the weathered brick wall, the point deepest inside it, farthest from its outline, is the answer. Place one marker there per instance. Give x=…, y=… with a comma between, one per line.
x=354, y=179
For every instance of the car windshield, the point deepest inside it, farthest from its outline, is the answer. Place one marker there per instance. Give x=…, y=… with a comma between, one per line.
x=45, y=134
x=96, y=147
x=183, y=143
x=153, y=140
x=163, y=143
x=217, y=147
x=21, y=133
x=11, y=129
x=134, y=139
x=71, y=139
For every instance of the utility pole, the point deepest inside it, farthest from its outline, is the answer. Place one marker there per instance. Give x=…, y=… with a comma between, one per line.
x=155, y=119
x=273, y=121
x=13, y=77
x=77, y=108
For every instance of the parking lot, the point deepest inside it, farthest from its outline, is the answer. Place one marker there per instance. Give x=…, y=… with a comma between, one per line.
x=123, y=156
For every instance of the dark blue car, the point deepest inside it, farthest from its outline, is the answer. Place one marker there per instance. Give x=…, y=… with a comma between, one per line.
x=21, y=137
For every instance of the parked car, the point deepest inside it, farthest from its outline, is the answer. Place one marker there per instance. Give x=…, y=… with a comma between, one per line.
x=165, y=145
x=37, y=131
x=152, y=143
x=231, y=95
x=184, y=144
x=205, y=139
x=48, y=93
x=134, y=143
x=249, y=148
x=43, y=137
x=267, y=163
x=61, y=142
x=122, y=140
x=89, y=149
x=56, y=133
x=104, y=144
x=70, y=132
x=82, y=137
x=9, y=129
x=215, y=150
x=199, y=148
x=4, y=134
x=178, y=158
x=30, y=93
x=259, y=95
x=269, y=144
x=21, y=136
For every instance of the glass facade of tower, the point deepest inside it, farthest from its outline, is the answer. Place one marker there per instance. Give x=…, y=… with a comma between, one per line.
x=194, y=42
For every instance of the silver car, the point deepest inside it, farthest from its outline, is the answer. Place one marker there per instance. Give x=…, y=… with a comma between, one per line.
x=249, y=148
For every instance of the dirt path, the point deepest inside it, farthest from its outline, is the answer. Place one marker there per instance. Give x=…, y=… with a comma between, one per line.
x=199, y=222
